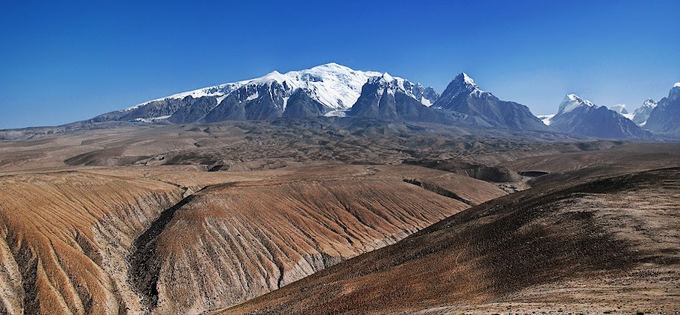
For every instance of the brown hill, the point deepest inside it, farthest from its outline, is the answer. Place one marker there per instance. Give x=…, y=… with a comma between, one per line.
x=230, y=243
x=64, y=237
x=177, y=240
x=605, y=245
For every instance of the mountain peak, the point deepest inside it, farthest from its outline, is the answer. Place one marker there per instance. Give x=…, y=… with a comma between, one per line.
x=463, y=96
x=387, y=77
x=465, y=79
x=572, y=101
x=675, y=91
x=392, y=85
x=664, y=117
x=331, y=66
x=274, y=75
x=461, y=85
x=581, y=117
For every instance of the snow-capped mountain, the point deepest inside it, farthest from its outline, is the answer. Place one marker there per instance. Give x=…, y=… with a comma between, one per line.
x=641, y=114
x=333, y=85
x=621, y=109
x=458, y=91
x=335, y=90
x=665, y=116
x=581, y=117
x=464, y=96
x=391, y=98
x=572, y=102
x=327, y=88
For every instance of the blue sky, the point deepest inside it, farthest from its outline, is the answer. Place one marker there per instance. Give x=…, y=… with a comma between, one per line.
x=67, y=61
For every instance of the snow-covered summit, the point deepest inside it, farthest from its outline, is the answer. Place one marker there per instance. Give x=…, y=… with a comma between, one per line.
x=461, y=86
x=463, y=79
x=392, y=84
x=571, y=102
x=677, y=84
x=333, y=85
x=386, y=79
x=467, y=79
x=328, y=89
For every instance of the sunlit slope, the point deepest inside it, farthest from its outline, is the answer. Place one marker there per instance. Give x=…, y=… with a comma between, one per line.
x=178, y=240
x=65, y=236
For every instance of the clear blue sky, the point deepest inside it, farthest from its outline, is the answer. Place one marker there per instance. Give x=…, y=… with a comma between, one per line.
x=70, y=61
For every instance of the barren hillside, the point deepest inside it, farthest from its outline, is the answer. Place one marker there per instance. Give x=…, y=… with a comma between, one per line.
x=188, y=219
x=113, y=240
x=608, y=245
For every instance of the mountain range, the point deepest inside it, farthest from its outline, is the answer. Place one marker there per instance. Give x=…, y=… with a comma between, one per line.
x=334, y=90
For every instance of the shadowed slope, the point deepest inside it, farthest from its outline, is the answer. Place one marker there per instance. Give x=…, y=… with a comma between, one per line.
x=609, y=243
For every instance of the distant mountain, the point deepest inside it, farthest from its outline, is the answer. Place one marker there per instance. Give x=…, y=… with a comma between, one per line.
x=329, y=89
x=665, y=117
x=621, y=109
x=391, y=98
x=581, y=117
x=546, y=118
x=463, y=95
x=336, y=90
x=641, y=114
